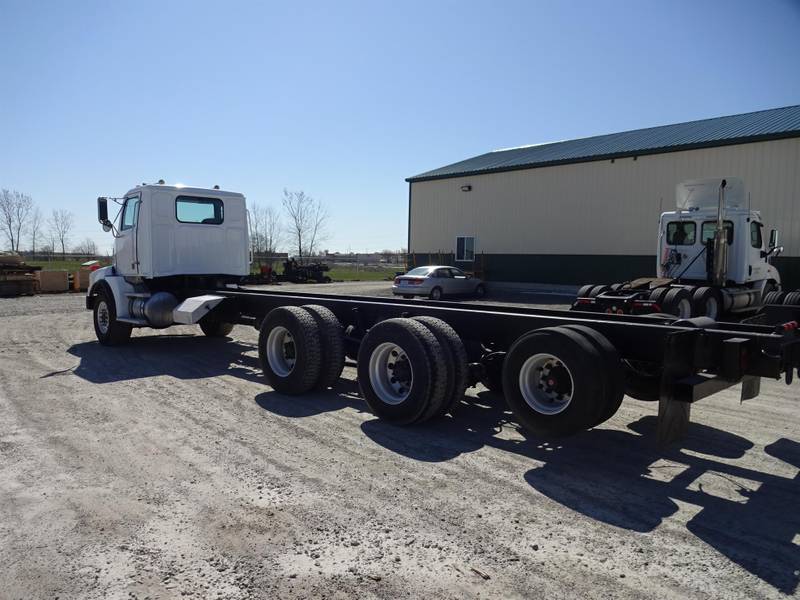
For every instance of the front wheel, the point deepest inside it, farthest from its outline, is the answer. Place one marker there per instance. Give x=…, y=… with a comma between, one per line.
x=108, y=330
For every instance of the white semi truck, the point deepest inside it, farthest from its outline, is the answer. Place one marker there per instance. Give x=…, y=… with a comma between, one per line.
x=181, y=252
x=713, y=260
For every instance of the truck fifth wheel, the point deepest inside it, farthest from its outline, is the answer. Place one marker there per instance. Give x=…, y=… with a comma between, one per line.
x=181, y=252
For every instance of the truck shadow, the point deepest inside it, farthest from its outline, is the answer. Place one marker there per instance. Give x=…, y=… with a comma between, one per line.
x=619, y=477
x=179, y=356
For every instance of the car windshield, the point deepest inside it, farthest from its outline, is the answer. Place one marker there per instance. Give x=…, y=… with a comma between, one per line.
x=419, y=271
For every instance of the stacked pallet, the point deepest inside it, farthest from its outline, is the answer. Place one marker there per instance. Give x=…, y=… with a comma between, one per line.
x=17, y=278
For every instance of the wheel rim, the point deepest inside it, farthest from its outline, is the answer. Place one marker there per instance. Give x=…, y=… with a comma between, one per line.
x=103, y=317
x=436, y=294
x=281, y=351
x=390, y=373
x=684, y=309
x=546, y=384
x=712, y=308
x=480, y=291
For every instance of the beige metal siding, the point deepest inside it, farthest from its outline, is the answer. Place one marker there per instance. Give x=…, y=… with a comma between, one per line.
x=599, y=207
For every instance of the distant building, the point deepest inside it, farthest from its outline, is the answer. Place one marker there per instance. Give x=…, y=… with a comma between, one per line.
x=587, y=210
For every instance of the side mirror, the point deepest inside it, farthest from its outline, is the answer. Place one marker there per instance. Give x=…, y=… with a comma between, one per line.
x=102, y=213
x=773, y=238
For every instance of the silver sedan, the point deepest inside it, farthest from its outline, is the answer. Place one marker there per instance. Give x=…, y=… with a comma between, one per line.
x=436, y=282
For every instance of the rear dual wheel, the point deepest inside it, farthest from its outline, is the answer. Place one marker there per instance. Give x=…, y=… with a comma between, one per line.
x=301, y=348
x=792, y=299
x=562, y=380
x=411, y=370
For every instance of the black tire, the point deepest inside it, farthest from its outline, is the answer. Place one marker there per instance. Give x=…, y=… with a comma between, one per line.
x=215, y=328
x=332, y=339
x=613, y=367
x=586, y=372
x=455, y=359
x=583, y=292
x=657, y=295
x=677, y=300
x=615, y=287
x=597, y=290
x=436, y=293
x=642, y=381
x=480, y=290
x=707, y=302
x=424, y=356
x=792, y=299
x=304, y=350
x=774, y=297
x=112, y=333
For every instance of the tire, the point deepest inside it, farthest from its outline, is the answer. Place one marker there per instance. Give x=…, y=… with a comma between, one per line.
x=332, y=341
x=707, y=302
x=290, y=350
x=678, y=302
x=774, y=297
x=792, y=299
x=613, y=367
x=455, y=359
x=657, y=295
x=583, y=292
x=436, y=294
x=615, y=287
x=597, y=290
x=215, y=328
x=642, y=381
x=480, y=291
x=108, y=330
x=411, y=342
x=570, y=366
x=408, y=297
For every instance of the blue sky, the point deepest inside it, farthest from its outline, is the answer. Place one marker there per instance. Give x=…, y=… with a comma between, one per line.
x=345, y=99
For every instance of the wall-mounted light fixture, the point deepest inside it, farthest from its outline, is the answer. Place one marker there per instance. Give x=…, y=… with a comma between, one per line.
x=466, y=188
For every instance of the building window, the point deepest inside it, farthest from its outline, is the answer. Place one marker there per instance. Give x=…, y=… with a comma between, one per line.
x=681, y=233
x=205, y=211
x=465, y=249
x=755, y=235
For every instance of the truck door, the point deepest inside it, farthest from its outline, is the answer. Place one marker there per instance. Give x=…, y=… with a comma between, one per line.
x=757, y=265
x=125, y=245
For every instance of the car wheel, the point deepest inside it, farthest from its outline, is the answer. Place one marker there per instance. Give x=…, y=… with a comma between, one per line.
x=480, y=291
x=436, y=293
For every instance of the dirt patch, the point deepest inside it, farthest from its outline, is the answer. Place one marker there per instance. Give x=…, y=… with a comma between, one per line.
x=168, y=468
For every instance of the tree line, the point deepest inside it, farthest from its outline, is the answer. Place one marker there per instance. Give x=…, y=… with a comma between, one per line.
x=22, y=223
x=301, y=226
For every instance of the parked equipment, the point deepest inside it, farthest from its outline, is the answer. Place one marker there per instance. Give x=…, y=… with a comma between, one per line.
x=16, y=278
x=561, y=372
x=303, y=272
x=712, y=261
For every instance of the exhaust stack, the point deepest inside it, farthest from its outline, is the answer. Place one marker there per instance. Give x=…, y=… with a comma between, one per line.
x=720, y=268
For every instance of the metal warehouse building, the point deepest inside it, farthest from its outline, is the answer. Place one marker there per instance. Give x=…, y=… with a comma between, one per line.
x=587, y=210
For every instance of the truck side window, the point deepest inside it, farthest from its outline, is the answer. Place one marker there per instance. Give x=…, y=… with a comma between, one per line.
x=755, y=234
x=205, y=211
x=681, y=233
x=709, y=227
x=130, y=214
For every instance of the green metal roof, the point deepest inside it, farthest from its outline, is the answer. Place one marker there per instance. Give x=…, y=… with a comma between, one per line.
x=770, y=124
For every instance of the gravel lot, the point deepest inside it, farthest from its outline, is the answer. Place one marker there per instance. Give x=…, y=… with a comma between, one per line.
x=167, y=468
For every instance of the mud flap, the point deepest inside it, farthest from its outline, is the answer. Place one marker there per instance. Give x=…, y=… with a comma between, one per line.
x=674, y=410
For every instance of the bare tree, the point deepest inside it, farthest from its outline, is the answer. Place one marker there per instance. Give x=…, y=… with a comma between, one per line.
x=308, y=219
x=87, y=247
x=15, y=211
x=256, y=238
x=271, y=229
x=35, y=228
x=61, y=223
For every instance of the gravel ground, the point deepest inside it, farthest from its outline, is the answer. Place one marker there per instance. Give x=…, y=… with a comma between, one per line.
x=167, y=468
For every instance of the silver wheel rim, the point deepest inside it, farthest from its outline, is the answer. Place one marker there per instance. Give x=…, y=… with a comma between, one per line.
x=281, y=351
x=684, y=309
x=103, y=317
x=712, y=308
x=546, y=384
x=390, y=373
x=436, y=294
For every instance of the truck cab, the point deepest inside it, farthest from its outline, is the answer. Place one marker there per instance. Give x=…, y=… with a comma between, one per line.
x=686, y=236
